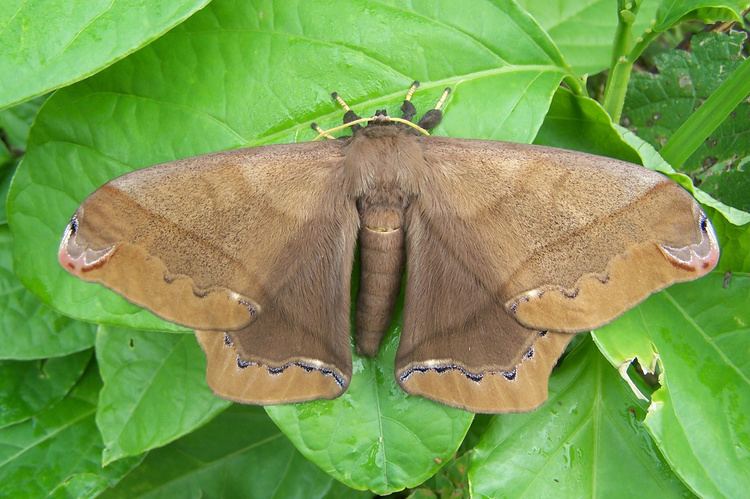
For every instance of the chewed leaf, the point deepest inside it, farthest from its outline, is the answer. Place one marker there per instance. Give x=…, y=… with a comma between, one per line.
x=701, y=332
x=581, y=443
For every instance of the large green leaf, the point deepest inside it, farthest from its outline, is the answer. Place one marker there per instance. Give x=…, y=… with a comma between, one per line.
x=28, y=387
x=670, y=12
x=28, y=328
x=50, y=43
x=154, y=390
x=57, y=452
x=580, y=123
x=238, y=454
x=584, y=30
x=587, y=440
x=278, y=62
x=375, y=436
x=699, y=333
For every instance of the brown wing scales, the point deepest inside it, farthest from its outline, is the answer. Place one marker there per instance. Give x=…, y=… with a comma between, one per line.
x=508, y=248
x=506, y=240
x=258, y=242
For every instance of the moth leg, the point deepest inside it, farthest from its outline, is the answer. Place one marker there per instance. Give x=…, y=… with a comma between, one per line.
x=408, y=111
x=432, y=118
x=349, y=115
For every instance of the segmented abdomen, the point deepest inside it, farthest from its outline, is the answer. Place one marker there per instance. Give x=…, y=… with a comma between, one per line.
x=381, y=262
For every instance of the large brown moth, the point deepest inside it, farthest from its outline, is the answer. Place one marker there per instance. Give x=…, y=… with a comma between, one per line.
x=509, y=249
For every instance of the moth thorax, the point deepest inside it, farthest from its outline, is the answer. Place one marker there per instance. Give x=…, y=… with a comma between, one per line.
x=382, y=211
x=382, y=219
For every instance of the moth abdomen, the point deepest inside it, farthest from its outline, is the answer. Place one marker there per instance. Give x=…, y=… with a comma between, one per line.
x=382, y=258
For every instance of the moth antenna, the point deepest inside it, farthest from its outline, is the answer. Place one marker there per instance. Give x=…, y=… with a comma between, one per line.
x=321, y=132
x=441, y=101
x=349, y=116
x=340, y=101
x=356, y=123
x=408, y=111
x=413, y=88
x=434, y=116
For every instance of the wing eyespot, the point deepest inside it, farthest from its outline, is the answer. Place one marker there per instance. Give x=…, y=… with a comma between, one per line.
x=250, y=308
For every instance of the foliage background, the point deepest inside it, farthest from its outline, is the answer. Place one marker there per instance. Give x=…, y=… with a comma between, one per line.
x=98, y=397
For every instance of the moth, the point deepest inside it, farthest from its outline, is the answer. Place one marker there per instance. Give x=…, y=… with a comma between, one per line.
x=508, y=250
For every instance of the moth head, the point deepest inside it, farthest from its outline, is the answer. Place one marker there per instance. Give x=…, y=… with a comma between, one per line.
x=406, y=122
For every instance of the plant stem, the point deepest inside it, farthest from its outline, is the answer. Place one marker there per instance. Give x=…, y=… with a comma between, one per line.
x=702, y=123
x=623, y=33
x=619, y=76
x=575, y=84
x=620, y=66
x=617, y=87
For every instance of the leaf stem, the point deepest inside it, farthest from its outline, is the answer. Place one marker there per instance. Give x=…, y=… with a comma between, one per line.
x=575, y=84
x=702, y=123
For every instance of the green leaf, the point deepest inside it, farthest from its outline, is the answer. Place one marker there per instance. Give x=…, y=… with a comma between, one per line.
x=238, y=454
x=16, y=121
x=734, y=242
x=587, y=440
x=26, y=388
x=154, y=390
x=651, y=159
x=670, y=12
x=580, y=123
x=278, y=70
x=657, y=105
x=375, y=436
x=58, y=449
x=450, y=482
x=5, y=158
x=28, y=328
x=730, y=184
x=699, y=333
x=6, y=175
x=584, y=30
x=707, y=118
x=55, y=42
